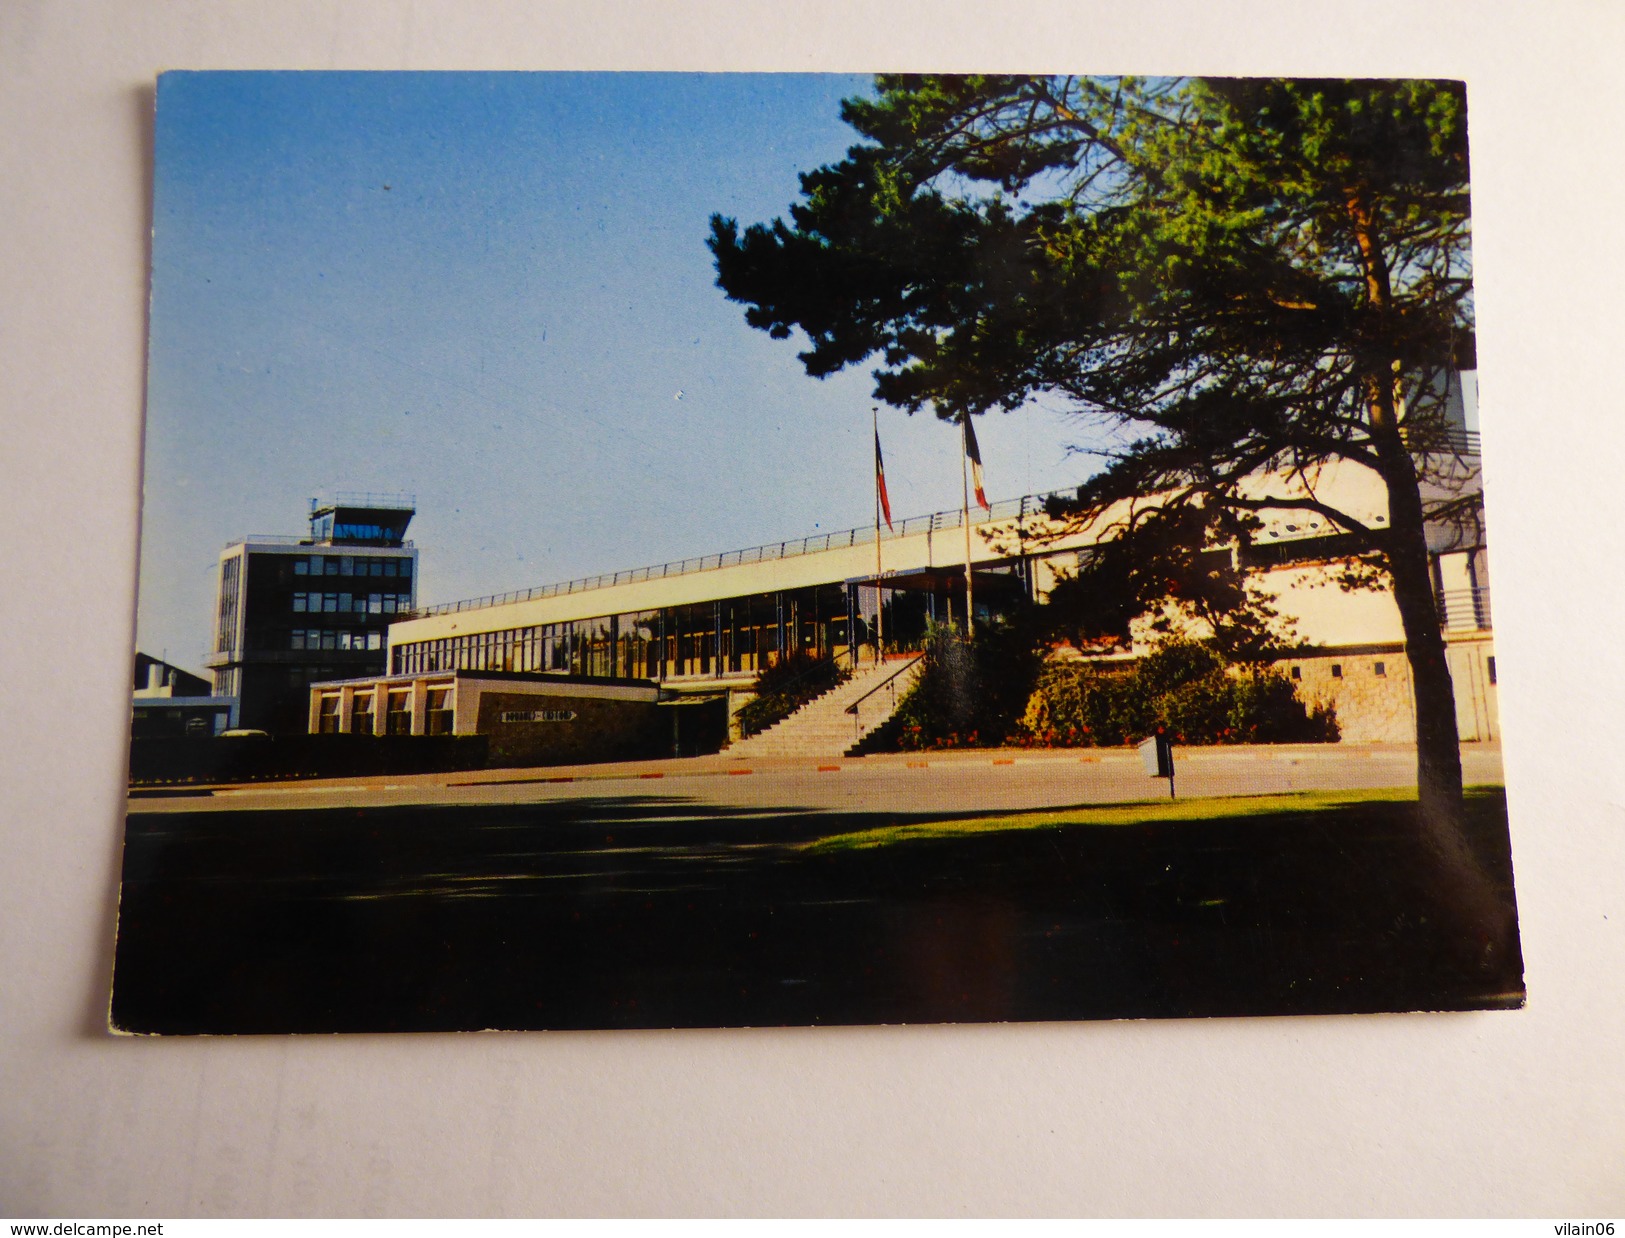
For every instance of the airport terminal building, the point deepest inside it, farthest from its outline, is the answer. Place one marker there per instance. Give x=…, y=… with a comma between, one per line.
x=701, y=629
x=730, y=615
x=706, y=626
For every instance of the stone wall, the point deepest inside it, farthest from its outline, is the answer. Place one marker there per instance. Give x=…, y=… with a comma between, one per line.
x=1370, y=687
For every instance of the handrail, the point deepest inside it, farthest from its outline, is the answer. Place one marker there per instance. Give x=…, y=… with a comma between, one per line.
x=853, y=707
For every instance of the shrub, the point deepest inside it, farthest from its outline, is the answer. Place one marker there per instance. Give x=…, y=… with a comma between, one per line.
x=1199, y=710
x=943, y=698
x=1078, y=707
x=1186, y=689
x=968, y=694
x=1266, y=709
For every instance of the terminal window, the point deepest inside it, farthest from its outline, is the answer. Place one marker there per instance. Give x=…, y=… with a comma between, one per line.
x=439, y=717
x=398, y=718
x=328, y=723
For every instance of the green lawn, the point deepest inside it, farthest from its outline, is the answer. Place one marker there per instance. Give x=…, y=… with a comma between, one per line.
x=1138, y=812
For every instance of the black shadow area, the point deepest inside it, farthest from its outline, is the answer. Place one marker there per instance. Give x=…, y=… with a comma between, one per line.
x=646, y=911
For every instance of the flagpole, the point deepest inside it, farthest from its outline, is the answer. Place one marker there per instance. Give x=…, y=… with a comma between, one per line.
x=880, y=622
x=964, y=480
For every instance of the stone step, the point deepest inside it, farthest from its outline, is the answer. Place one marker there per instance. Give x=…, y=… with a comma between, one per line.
x=822, y=727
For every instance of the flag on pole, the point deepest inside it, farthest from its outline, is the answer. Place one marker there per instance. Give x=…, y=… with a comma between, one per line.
x=880, y=482
x=975, y=455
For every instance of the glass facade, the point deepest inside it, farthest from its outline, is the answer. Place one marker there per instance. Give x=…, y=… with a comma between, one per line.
x=225, y=636
x=732, y=636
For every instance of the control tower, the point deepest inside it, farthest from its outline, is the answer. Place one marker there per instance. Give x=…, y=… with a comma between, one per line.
x=294, y=610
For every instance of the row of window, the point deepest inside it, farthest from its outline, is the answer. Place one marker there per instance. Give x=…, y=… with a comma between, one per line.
x=316, y=638
x=1379, y=669
x=397, y=713
x=362, y=603
x=350, y=565
x=226, y=622
x=736, y=635
x=327, y=529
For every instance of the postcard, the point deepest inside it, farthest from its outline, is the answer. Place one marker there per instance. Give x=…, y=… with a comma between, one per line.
x=647, y=550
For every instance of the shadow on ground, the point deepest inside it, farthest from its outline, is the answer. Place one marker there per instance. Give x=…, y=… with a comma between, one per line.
x=647, y=911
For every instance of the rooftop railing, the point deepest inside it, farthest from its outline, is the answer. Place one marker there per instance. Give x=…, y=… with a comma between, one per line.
x=914, y=526
x=1429, y=440
x=286, y=539
x=1465, y=610
x=366, y=498
x=1433, y=441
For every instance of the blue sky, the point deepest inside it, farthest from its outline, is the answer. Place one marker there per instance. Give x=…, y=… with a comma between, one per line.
x=493, y=291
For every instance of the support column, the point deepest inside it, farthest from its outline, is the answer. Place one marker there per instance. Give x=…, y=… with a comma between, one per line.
x=852, y=622
x=420, y=707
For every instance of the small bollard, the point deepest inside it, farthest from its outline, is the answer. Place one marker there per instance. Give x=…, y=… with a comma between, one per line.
x=1157, y=755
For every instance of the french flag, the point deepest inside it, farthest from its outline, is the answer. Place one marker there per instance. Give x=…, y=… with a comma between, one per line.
x=880, y=482
x=975, y=454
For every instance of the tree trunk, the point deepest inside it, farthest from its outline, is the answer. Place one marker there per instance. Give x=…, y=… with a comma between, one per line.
x=1465, y=889
x=1438, y=744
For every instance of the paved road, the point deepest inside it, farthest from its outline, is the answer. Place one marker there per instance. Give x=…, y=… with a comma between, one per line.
x=937, y=782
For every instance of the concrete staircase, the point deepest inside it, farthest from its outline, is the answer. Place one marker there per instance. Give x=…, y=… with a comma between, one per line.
x=822, y=728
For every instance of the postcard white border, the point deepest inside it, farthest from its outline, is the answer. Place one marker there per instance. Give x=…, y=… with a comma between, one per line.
x=1496, y=1113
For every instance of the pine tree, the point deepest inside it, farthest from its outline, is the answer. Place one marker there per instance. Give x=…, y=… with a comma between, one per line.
x=1257, y=278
